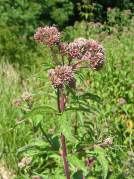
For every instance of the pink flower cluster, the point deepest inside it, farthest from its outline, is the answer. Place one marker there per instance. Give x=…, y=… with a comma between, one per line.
x=81, y=50
x=47, y=35
x=76, y=49
x=86, y=50
x=61, y=75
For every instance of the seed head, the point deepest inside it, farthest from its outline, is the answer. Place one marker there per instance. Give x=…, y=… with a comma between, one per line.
x=61, y=75
x=47, y=35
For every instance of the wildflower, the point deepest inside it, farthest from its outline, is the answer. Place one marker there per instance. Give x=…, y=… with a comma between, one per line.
x=131, y=154
x=73, y=50
x=17, y=102
x=77, y=48
x=132, y=85
x=89, y=162
x=108, y=141
x=97, y=54
x=121, y=101
x=36, y=177
x=96, y=63
x=24, y=162
x=87, y=50
x=63, y=48
x=129, y=124
x=26, y=96
x=86, y=56
x=61, y=75
x=47, y=35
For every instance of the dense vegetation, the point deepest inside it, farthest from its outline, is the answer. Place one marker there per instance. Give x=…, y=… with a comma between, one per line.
x=109, y=92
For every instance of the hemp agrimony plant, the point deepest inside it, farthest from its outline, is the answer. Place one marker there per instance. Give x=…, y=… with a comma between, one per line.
x=68, y=62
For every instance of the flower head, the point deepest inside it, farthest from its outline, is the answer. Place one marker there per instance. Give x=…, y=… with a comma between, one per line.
x=61, y=75
x=86, y=50
x=97, y=54
x=47, y=35
x=24, y=162
x=108, y=141
x=26, y=96
x=77, y=48
x=72, y=50
x=17, y=102
x=121, y=101
x=63, y=48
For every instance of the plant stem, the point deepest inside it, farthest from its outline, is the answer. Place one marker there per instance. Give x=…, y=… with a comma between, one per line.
x=76, y=124
x=64, y=155
x=58, y=100
x=83, y=177
x=63, y=142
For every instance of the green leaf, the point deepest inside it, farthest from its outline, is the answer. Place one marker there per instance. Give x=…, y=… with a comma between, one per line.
x=77, y=163
x=47, y=66
x=41, y=110
x=25, y=148
x=91, y=96
x=78, y=175
x=66, y=127
x=102, y=160
x=37, y=119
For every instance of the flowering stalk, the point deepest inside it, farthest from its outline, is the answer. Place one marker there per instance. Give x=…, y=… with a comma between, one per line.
x=62, y=76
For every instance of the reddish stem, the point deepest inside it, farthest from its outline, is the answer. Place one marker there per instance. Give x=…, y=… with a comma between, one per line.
x=83, y=177
x=64, y=155
x=63, y=141
x=58, y=99
x=78, y=62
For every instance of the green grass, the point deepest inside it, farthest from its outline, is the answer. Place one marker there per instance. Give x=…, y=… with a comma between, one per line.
x=114, y=81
